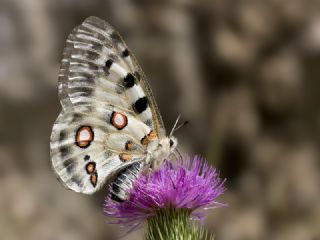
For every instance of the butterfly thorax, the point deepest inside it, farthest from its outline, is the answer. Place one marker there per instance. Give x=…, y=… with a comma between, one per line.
x=163, y=150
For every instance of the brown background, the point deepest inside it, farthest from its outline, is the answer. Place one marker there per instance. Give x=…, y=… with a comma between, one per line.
x=245, y=73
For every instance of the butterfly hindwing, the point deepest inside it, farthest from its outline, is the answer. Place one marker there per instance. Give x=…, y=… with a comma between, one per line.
x=87, y=146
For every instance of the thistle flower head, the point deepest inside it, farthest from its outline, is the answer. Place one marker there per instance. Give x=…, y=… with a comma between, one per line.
x=190, y=185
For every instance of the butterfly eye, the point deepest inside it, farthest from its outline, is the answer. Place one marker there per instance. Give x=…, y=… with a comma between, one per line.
x=171, y=142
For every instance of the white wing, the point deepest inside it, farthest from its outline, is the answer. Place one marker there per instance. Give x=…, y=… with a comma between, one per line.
x=109, y=117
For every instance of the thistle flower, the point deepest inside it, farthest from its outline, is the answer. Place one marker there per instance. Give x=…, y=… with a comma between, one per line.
x=174, y=194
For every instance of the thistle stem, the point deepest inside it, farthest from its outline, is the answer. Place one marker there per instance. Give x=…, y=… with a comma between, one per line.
x=174, y=224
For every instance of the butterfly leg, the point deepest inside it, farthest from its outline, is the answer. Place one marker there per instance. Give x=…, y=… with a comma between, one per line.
x=148, y=172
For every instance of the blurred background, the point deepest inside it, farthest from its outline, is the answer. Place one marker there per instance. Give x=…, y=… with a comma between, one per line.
x=244, y=73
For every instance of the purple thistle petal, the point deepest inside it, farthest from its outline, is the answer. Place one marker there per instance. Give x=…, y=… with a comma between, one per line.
x=190, y=184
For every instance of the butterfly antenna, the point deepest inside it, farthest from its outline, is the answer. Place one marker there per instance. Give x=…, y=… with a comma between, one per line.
x=180, y=126
x=175, y=124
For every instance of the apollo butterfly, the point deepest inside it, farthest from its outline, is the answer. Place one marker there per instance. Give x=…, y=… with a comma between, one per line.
x=109, y=125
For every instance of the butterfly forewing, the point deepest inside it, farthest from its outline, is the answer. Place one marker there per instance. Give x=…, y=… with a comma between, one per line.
x=97, y=61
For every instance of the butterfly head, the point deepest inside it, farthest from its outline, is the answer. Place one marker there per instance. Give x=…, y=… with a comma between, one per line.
x=165, y=148
x=173, y=142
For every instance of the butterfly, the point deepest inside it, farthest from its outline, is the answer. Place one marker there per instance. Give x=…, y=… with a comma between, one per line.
x=110, y=124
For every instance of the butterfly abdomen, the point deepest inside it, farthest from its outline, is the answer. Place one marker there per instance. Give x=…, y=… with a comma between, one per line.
x=120, y=187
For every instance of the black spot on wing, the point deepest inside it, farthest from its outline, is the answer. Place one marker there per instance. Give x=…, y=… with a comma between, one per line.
x=64, y=151
x=125, y=53
x=129, y=80
x=62, y=135
x=77, y=180
x=108, y=65
x=69, y=165
x=86, y=157
x=140, y=105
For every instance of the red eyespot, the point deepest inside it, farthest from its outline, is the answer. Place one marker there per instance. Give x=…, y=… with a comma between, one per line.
x=84, y=136
x=119, y=120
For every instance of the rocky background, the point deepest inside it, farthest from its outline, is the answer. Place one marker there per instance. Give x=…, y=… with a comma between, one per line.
x=244, y=73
